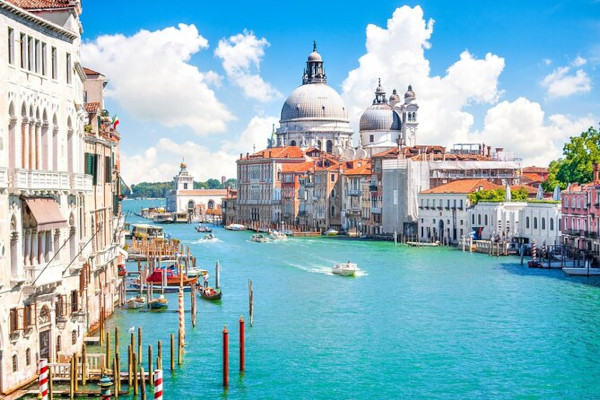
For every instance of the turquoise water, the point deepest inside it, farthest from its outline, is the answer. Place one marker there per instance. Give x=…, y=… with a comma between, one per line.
x=431, y=323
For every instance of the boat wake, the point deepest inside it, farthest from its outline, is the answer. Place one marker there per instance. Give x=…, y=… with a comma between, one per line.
x=322, y=269
x=215, y=240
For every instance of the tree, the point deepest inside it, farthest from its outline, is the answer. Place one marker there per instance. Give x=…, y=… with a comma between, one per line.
x=214, y=184
x=497, y=195
x=580, y=153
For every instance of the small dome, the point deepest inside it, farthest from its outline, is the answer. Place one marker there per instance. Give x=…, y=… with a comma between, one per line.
x=314, y=56
x=183, y=165
x=394, y=96
x=409, y=93
x=314, y=102
x=380, y=117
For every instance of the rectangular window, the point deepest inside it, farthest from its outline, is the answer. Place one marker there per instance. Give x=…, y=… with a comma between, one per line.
x=28, y=316
x=44, y=59
x=11, y=46
x=68, y=68
x=54, y=62
x=371, y=138
x=107, y=170
x=74, y=302
x=14, y=320
x=30, y=53
x=37, y=56
x=91, y=166
x=23, y=43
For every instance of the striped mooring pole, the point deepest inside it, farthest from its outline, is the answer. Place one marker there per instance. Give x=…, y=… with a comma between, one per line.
x=158, y=384
x=181, y=318
x=43, y=378
x=533, y=250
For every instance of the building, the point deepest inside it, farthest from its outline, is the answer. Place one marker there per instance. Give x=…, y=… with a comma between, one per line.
x=356, y=208
x=229, y=207
x=43, y=186
x=195, y=202
x=443, y=210
x=314, y=114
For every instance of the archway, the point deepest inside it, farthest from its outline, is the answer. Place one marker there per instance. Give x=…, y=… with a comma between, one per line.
x=12, y=140
x=441, y=231
x=293, y=143
x=329, y=146
x=211, y=204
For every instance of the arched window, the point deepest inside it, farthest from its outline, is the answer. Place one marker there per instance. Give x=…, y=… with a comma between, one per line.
x=15, y=363
x=319, y=145
x=45, y=142
x=293, y=143
x=14, y=247
x=70, y=146
x=551, y=224
x=24, y=137
x=486, y=220
x=12, y=139
x=473, y=219
x=329, y=146
x=28, y=357
x=54, y=143
x=190, y=205
x=332, y=211
x=527, y=223
x=211, y=204
x=534, y=222
x=543, y=223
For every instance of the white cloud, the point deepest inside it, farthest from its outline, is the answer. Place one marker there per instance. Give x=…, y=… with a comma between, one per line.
x=152, y=165
x=563, y=82
x=241, y=55
x=396, y=54
x=152, y=80
x=520, y=126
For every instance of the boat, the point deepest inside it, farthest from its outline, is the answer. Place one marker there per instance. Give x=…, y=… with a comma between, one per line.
x=145, y=231
x=209, y=293
x=582, y=271
x=122, y=270
x=330, y=232
x=158, y=304
x=209, y=236
x=259, y=238
x=200, y=228
x=345, y=269
x=180, y=217
x=162, y=218
x=277, y=235
x=135, y=302
x=196, y=272
x=534, y=264
x=172, y=279
x=235, y=227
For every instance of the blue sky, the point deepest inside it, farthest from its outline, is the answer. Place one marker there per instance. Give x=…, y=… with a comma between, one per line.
x=530, y=73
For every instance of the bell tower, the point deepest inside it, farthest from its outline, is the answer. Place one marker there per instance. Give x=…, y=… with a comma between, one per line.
x=183, y=180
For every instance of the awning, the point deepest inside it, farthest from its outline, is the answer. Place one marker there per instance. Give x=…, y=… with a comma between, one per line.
x=46, y=213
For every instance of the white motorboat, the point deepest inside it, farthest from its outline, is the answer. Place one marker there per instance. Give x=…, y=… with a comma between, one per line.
x=345, y=269
x=331, y=232
x=259, y=238
x=235, y=227
x=582, y=271
x=135, y=302
x=277, y=235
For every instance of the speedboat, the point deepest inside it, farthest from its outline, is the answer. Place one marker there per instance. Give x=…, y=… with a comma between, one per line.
x=277, y=235
x=235, y=227
x=196, y=272
x=345, y=269
x=259, y=238
x=209, y=236
x=331, y=232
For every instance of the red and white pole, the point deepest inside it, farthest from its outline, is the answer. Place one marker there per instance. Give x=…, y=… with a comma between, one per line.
x=158, y=384
x=43, y=378
x=533, y=251
x=181, y=318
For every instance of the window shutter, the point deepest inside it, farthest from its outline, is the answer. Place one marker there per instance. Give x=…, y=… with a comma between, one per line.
x=20, y=318
x=88, y=163
x=107, y=169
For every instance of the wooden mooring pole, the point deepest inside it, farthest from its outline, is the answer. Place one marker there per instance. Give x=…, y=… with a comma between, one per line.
x=242, y=359
x=172, y=352
x=225, y=357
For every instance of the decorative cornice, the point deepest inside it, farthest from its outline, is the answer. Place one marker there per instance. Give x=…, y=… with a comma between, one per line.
x=37, y=20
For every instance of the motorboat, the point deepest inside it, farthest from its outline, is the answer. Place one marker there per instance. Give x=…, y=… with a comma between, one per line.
x=158, y=304
x=202, y=228
x=277, y=235
x=235, y=227
x=172, y=277
x=209, y=236
x=259, y=238
x=582, y=271
x=162, y=218
x=345, y=269
x=196, y=272
x=135, y=302
x=331, y=232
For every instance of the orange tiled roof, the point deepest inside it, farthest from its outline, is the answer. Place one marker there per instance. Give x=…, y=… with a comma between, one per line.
x=298, y=168
x=535, y=170
x=359, y=167
x=463, y=186
x=89, y=71
x=393, y=152
x=39, y=4
x=92, y=107
x=279, y=152
x=204, y=192
x=531, y=190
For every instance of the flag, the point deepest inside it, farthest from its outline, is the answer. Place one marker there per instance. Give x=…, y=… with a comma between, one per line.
x=115, y=121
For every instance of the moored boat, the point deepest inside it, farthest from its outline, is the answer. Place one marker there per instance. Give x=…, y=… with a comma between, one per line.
x=534, y=264
x=209, y=293
x=162, y=218
x=135, y=302
x=259, y=238
x=158, y=304
x=582, y=271
x=345, y=269
x=172, y=278
x=330, y=232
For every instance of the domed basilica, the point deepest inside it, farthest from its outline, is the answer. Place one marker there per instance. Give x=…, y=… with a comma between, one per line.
x=314, y=115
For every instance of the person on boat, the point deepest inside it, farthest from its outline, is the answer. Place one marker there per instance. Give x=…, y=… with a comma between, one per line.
x=206, y=280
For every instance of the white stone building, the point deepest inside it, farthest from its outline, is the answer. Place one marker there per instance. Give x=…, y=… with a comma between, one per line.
x=184, y=198
x=443, y=210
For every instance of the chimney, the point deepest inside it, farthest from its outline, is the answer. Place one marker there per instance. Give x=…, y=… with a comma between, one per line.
x=241, y=155
x=596, y=168
x=489, y=150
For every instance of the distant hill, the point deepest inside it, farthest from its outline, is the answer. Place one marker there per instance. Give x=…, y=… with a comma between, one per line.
x=160, y=189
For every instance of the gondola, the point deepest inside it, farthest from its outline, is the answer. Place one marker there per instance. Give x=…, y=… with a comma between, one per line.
x=209, y=293
x=158, y=304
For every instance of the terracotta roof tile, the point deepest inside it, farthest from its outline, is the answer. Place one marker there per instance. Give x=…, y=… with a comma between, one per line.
x=530, y=189
x=90, y=71
x=463, y=186
x=204, y=192
x=535, y=170
x=359, y=167
x=279, y=152
x=40, y=4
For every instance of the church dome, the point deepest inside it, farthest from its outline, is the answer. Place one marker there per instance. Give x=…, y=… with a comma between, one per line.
x=394, y=98
x=314, y=102
x=381, y=115
x=314, y=56
x=409, y=93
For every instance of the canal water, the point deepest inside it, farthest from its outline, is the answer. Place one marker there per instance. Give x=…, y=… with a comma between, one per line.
x=432, y=323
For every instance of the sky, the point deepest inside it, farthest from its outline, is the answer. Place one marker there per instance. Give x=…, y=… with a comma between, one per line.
x=205, y=81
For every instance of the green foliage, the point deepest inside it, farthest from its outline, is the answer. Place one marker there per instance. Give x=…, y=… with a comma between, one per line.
x=579, y=154
x=161, y=189
x=497, y=195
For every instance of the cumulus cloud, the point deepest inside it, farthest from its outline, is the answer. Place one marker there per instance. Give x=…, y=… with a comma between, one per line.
x=152, y=79
x=396, y=54
x=521, y=127
x=565, y=81
x=241, y=56
x=160, y=162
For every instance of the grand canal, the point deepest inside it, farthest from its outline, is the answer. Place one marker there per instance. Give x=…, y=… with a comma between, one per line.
x=418, y=323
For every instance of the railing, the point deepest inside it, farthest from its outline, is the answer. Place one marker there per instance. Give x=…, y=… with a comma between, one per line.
x=33, y=179
x=81, y=182
x=43, y=274
x=376, y=210
x=353, y=192
x=3, y=178
x=106, y=256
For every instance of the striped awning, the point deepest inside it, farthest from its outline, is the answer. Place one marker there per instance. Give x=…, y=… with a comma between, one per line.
x=46, y=213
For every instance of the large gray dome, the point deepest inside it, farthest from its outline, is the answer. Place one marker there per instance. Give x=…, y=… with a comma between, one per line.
x=315, y=101
x=380, y=117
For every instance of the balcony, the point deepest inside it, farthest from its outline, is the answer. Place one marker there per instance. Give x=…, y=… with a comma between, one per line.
x=353, y=210
x=353, y=192
x=572, y=232
x=375, y=210
x=40, y=275
x=81, y=182
x=34, y=180
x=106, y=256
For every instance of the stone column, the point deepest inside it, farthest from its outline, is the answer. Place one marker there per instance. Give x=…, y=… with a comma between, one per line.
x=31, y=141
x=34, y=247
x=26, y=247
x=25, y=143
x=38, y=145
x=42, y=247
